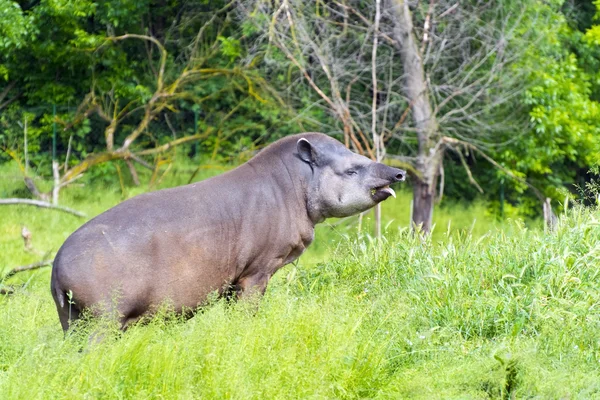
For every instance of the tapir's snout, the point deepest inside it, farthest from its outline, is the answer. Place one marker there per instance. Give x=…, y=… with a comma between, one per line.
x=400, y=175
x=390, y=174
x=385, y=176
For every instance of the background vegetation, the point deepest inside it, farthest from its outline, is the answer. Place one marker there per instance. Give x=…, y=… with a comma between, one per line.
x=105, y=100
x=67, y=67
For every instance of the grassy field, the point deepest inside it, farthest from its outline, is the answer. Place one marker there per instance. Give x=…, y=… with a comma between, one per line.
x=480, y=310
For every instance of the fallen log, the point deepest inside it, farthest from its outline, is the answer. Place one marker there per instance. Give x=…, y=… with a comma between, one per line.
x=42, y=204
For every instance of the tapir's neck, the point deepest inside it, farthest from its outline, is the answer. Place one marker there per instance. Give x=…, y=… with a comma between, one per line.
x=286, y=184
x=303, y=180
x=280, y=164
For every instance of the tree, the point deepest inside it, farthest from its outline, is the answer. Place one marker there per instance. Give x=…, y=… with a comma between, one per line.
x=131, y=80
x=450, y=66
x=562, y=139
x=13, y=33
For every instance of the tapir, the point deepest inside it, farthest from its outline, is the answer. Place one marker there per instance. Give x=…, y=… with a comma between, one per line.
x=226, y=234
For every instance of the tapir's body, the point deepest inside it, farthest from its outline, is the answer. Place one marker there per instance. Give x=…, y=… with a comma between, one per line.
x=178, y=245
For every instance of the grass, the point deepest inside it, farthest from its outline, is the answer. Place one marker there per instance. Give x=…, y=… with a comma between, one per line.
x=478, y=311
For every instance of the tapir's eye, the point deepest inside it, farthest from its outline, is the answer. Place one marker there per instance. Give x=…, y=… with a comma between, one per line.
x=351, y=172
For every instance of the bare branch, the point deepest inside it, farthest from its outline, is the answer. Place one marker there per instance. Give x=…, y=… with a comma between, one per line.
x=56, y=187
x=7, y=89
x=365, y=21
x=30, y=267
x=66, y=165
x=449, y=10
x=170, y=126
x=141, y=162
x=133, y=172
x=65, y=183
x=161, y=48
x=426, y=26
x=535, y=190
x=174, y=143
x=468, y=170
x=42, y=204
x=5, y=93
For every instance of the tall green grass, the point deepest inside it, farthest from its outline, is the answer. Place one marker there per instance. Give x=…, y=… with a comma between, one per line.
x=510, y=313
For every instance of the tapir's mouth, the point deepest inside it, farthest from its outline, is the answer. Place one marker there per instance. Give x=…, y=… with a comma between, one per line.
x=382, y=192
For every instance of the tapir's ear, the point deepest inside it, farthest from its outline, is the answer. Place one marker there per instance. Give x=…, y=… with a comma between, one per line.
x=306, y=151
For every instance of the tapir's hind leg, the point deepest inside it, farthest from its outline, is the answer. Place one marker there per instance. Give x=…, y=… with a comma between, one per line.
x=67, y=313
x=68, y=310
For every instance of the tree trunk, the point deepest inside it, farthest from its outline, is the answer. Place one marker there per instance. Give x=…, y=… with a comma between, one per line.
x=415, y=88
x=25, y=147
x=56, y=187
x=423, y=199
x=377, y=142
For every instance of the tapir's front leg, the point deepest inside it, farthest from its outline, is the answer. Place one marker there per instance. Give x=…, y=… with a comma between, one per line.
x=252, y=285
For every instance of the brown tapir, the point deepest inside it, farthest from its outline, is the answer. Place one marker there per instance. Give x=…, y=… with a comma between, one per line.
x=230, y=232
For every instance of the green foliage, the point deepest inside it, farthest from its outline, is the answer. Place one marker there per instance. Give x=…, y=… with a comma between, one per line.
x=67, y=55
x=122, y=13
x=55, y=52
x=230, y=47
x=564, y=117
x=13, y=26
x=559, y=136
x=561, y=103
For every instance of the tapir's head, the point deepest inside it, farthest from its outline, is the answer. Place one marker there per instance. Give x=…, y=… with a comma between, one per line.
x=343, y=183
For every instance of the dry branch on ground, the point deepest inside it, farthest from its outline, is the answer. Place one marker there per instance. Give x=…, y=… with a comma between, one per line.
x=41, y=204
x=29, y=267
